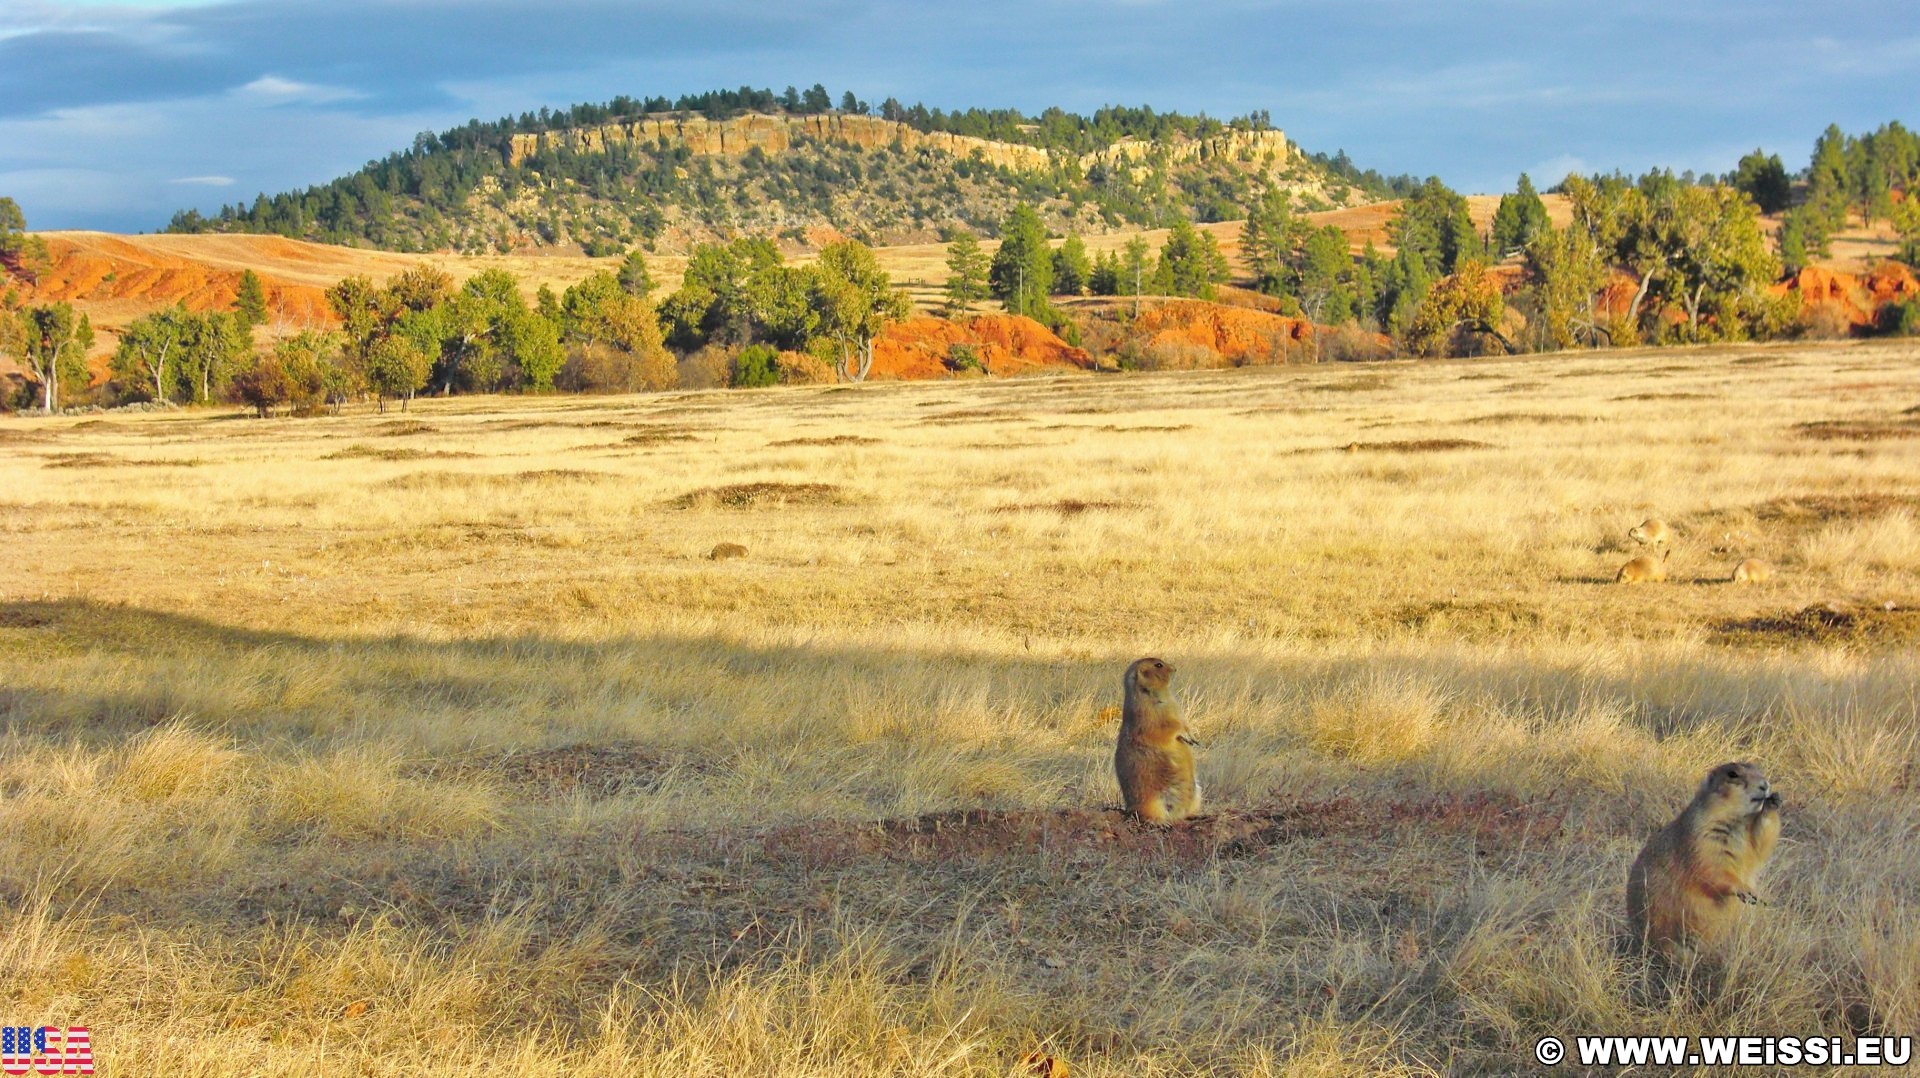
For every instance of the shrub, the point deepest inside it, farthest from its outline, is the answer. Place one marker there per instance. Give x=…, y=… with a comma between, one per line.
x=755, y=367
x=709, y=368
x=263, y=385
x=963, y=358
x=1901, y=319
x=1825, y=322
x=803, y=369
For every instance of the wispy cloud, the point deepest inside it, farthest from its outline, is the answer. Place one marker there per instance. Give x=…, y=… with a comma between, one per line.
x=274, y=90
x=205, y=181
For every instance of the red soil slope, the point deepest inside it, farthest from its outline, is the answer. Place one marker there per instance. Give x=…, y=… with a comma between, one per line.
x=1857, y=297
x=1237, y=334
x=1006, y=344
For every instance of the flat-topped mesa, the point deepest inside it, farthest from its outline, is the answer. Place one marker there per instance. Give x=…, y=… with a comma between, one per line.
x=777, y=134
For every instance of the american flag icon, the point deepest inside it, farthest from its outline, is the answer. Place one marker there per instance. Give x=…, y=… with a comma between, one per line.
x=45, y=1050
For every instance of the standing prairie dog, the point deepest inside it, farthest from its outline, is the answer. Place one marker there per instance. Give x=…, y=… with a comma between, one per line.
x=1751, y=571
x=1645, y=568
x=1695, y=876
x=1152, y=759
x=1650, y=532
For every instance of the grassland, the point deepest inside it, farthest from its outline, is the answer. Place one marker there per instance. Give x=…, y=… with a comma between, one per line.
x=434, y=744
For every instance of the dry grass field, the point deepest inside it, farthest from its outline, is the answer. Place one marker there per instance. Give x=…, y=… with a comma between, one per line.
x=435, y=744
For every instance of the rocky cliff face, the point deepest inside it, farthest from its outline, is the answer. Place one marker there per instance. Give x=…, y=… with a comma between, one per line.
x=777, y=134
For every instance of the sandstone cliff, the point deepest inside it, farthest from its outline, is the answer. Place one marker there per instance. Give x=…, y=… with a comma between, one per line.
x=777, y=134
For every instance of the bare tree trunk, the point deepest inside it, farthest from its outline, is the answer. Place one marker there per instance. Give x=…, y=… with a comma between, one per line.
x=866, y=358
x=1639, y=296
x=160, y=373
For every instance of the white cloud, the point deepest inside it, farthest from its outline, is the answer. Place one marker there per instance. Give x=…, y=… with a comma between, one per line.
x=274, y=90
x=206, y=181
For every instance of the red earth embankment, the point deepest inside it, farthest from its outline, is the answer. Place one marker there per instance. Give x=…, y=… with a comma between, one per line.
x=1004, y=344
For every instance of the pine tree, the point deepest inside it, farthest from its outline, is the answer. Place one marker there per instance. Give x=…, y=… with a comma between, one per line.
x=1071, y=267
x=1021, y=275
x=1521, y=219
x=966, y=273
x=633, y=276
x=250, y=301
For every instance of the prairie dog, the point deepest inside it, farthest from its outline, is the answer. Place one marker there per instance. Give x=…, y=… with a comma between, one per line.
x=1650, y=532
x=1751, y=571
x=726, y=551
x=1695, y=876
x=1152, y=759
x=1646, y=568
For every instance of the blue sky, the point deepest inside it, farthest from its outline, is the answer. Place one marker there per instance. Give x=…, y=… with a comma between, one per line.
x=113, y=115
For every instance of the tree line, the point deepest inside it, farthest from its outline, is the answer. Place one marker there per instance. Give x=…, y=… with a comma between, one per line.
x=742, y=314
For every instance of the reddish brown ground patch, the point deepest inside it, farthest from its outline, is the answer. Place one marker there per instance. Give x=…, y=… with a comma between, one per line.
x=1540, y=418
x=647, y=436
x=1493, y=821
x=838, y=439
x=1827, y=623
x=595, y=771
x=1859, y=430
x=108, y=460
x=1065, y=507
x=1418, y=445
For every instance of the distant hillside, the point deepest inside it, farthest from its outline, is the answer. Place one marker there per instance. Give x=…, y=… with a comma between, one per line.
x=602, y=178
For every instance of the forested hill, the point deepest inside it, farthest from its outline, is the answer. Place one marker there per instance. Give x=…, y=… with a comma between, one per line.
x=667, y=174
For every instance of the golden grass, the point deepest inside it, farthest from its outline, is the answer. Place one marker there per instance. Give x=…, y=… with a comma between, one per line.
x=334, y=753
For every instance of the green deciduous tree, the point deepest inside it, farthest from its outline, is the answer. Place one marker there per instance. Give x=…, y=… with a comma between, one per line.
x=21, y=253
x=1567, y=268
x=1468, y=301
x=856, y=300
x=1906, y=223
x=396, y=367
x=213, y=347
x=148, y=357
x=52, y=342
x=966, y=273
x=1721, y=264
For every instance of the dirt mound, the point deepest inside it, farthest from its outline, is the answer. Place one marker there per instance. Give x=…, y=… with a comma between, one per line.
x=1236, y=334
x=1086, y=835
x=1828, y=623
x=1003, y=344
